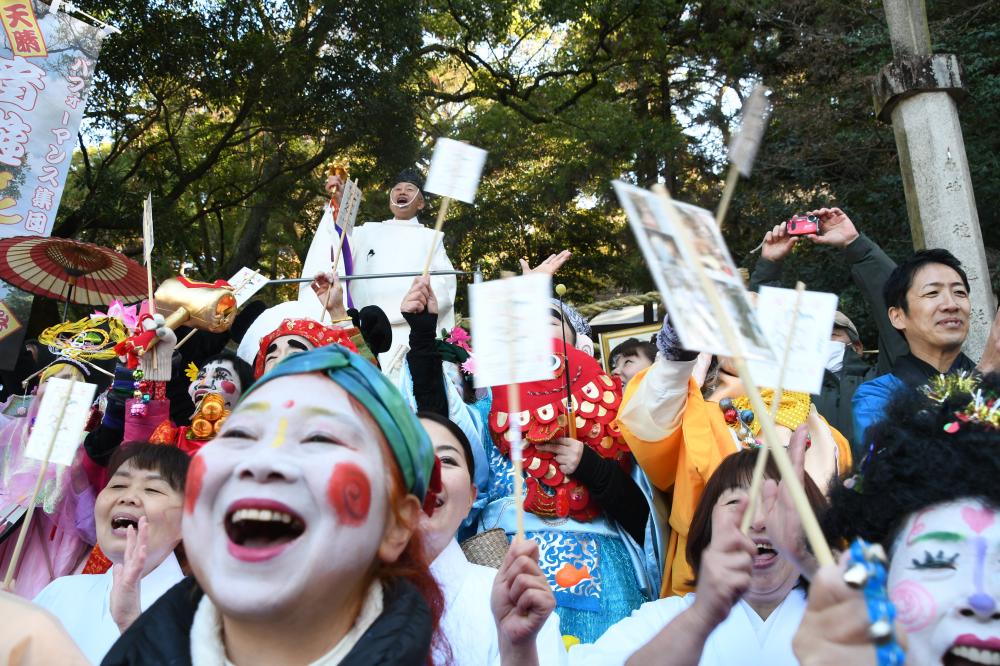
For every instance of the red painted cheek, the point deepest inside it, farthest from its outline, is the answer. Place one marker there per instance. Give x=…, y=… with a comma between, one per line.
x=350, y=494
x=192, y=487
x=228, y=387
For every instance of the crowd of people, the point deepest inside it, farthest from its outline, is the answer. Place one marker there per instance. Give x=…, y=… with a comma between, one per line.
x=338, y=491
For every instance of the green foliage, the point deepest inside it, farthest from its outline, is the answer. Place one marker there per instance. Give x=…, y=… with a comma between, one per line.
x=227, y=112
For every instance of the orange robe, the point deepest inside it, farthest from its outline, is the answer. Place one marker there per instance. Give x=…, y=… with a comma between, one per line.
x=681, y=463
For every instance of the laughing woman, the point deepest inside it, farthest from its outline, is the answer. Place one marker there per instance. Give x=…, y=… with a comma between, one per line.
x=138, y=521
x=300, y=526
x=748, y=602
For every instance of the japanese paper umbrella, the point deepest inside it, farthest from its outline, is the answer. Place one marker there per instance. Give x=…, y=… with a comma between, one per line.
x=69, y=270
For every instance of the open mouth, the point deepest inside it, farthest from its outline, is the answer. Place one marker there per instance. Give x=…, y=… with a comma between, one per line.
x=970, y=650
x=951, y=323
x=261, y=529
x=766, y=555
x=402, y=201
x=120, y=522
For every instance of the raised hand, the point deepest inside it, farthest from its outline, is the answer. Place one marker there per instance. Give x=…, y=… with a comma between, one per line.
x=726, y=565
x=420, y=297
x=125, y=606
x=835, y=228
x=330, y=293
x=550, y=265
x=778, y=243
x=834, y=629
x=566, y=451
x=783, y=524
x=521, y=602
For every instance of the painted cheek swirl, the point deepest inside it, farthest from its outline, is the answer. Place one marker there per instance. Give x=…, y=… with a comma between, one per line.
x=350, y=494
x=192, y=487
x=914, y=604
x=228, y=386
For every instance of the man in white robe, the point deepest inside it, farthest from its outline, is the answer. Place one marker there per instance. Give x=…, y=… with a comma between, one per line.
x=399, y=245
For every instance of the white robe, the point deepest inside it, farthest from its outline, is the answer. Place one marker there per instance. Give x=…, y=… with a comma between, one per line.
x=399, y=246
x=742, y=638
x=468, y=623
x=83, y=604
x=318, y=260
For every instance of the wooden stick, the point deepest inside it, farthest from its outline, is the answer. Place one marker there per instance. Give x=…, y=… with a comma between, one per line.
x=809, y=523
x=437, y=230
x=762, y=453
x=517, y=457
x=727, y=195
x=186, y=338
x=12, y=567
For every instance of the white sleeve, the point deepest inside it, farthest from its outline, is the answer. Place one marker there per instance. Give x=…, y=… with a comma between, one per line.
x=627, y=636
x=654, y=410
x=549, y=643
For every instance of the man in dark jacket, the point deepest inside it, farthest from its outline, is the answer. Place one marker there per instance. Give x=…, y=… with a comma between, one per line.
x=870, y=268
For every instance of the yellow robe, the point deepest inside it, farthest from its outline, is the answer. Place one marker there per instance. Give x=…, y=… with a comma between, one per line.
x=681, y=464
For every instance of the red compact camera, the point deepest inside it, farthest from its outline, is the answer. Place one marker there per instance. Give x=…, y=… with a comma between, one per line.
x=803, y=225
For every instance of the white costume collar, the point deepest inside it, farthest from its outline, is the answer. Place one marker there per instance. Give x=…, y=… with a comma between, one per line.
x=207, y=648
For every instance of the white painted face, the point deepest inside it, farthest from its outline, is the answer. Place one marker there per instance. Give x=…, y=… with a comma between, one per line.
x=217, y=377
x=284, y=346
x=289, y=503
x=457, y=491
x=944, y=577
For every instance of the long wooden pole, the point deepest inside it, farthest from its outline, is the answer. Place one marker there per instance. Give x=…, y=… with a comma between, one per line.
x=437, y=230
x=809, y=523
x=727, y=195
x=762, y=453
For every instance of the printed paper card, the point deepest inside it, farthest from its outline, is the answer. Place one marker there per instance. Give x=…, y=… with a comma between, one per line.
x=455, y=170
x=656, y=225
x=72, y=400
x=246, y=283
x=810, y=342
x=350, y=204
x=510, y=332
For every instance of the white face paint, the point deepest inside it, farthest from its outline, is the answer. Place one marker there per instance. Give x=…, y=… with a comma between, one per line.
x=287, y=506
x=217, y=377
x=284, y=346
x=944, y=577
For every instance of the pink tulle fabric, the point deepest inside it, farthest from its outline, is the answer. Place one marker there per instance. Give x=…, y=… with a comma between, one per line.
x=61, y=532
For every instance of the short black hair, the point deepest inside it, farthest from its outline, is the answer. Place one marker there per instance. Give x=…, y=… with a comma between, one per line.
x=244, y=371
x=895, y=288
x=168, y=461
x=913, y=464
x=632, y=347
x=457, y=433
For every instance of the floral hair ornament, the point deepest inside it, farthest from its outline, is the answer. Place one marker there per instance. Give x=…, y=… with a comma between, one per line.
x=191, y=371
x=407, y=439
x=960, y=393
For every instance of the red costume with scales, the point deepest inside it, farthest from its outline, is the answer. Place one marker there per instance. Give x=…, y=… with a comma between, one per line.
x=596, y=397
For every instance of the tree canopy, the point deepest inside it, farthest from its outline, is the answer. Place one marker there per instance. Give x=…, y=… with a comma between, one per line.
x=228, y=111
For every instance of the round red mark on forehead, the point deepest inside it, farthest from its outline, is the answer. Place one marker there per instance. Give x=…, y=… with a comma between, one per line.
x=349, y=493
x=192, y=488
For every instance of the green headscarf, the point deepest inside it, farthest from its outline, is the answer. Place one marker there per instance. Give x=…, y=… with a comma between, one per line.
x=407, y=439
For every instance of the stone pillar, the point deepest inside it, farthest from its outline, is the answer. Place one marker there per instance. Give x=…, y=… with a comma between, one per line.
x=917, y=92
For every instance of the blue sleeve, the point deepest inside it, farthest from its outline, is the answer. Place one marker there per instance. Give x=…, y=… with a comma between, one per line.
x=869, y=404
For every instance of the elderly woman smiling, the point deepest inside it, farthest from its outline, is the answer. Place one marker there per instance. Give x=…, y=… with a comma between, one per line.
x=300, y=521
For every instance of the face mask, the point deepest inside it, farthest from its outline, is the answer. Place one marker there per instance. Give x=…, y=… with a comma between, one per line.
x=835, y=356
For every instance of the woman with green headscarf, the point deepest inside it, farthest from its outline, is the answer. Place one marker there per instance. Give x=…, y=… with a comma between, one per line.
x=300, y=524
